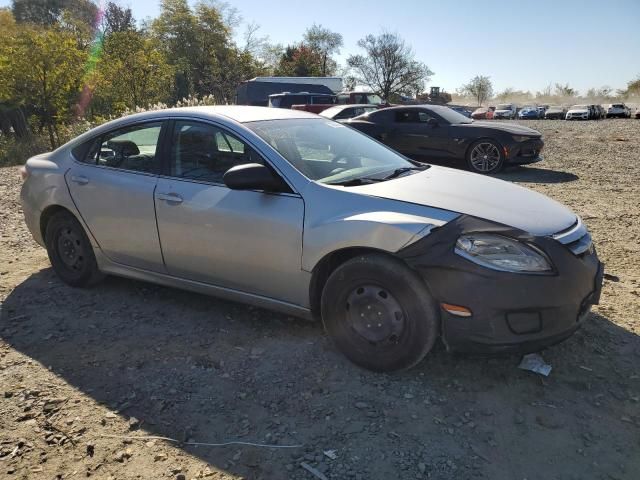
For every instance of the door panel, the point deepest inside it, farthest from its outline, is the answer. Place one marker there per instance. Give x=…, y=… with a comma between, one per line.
x=245, y=240
x=118, y=208
x=112, y=184
x=240, y=239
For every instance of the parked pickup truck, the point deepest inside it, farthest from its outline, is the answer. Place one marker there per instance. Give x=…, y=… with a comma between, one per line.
x=309, y=102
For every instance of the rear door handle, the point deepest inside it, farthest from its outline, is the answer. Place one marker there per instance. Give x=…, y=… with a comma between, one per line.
x=79, y=179
x=169, y=197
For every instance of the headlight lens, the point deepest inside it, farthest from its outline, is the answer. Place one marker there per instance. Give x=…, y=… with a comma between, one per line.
x=502, y=253
x=521, y=138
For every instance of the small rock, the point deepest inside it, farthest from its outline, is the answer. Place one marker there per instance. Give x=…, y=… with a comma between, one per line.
x=160, y=457
x=90, y=449
x=181, y=476
x=134, y=423
x=422, y=467
x=361, y=405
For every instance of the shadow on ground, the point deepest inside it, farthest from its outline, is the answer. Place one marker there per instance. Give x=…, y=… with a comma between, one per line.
x=192, y=367
x=535, y=175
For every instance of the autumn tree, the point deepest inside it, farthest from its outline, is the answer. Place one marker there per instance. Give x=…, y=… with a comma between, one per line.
x=299, y=61
x=388, y=66
x=47, y=69
x=480, y=88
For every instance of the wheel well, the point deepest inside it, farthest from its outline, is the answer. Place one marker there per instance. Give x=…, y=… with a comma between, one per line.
x=326, y=266
x=46, y=215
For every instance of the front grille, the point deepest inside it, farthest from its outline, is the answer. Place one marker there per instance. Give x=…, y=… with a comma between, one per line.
x=576, y=238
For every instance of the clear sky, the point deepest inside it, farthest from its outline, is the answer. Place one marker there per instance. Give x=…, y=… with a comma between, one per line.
x=524, y=44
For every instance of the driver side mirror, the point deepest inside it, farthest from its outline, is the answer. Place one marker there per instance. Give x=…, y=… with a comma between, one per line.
x=432, y=122
x=253, y=176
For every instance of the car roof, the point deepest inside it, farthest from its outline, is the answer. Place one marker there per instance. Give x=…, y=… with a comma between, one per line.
x=435, y=108
x=238, y=113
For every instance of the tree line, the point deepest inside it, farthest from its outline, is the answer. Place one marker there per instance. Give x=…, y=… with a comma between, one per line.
x=62, y=60
x=480, y=90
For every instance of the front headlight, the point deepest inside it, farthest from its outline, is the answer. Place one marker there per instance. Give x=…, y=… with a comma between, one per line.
x=502, y=253
x=521, y=138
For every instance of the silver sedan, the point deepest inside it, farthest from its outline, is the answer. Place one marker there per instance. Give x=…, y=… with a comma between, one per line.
x=294, y=212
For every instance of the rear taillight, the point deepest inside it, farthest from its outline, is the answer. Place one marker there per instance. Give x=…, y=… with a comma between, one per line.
x=24, y=173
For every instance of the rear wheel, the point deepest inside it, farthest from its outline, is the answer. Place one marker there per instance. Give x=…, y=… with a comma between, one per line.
x=485, y=156
x=379, y=313
x=70, y=251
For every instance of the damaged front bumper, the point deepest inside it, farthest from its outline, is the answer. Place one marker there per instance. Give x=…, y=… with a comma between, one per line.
x=510, y=312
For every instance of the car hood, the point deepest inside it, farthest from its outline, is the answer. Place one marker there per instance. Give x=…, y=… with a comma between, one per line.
x=578, y=110
x=473, y=194
x=505, y=127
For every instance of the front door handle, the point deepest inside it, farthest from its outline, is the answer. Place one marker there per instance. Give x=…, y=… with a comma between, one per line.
x=79, y=179
x=169, y=197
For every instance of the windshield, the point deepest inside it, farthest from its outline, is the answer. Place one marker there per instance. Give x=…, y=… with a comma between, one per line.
x=451, y=116
x=504, y=106
x=329, y=152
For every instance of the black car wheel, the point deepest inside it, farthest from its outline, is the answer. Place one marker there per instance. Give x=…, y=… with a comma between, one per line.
x=70, y=251
x=379, y=313
x=485, y=156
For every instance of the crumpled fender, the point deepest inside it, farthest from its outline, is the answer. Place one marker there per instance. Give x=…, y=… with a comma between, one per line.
x=382, y=230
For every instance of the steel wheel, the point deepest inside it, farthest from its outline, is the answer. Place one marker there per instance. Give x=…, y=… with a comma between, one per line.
x=375, y=315
x=70, y=249
x=485, y=157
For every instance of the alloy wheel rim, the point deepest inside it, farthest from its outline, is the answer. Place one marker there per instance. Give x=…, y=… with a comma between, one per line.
x=375, y=315
x=485, y=157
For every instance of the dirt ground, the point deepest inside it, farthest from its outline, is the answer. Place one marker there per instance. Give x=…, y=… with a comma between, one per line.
x=82, y=370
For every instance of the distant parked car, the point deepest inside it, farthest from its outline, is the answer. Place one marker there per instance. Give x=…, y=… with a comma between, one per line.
x=600, y=112
x=343, y=112
x=541, y=110
x=638, y=112
x=555, y=112
x=482, y=113
x=529, y=112
x=425, y=133
x=619, y=110
x=462, y=111
x=578, y=112
x=505, y=110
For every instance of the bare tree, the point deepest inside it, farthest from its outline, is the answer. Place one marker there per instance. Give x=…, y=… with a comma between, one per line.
x=389, y=66
x=565, y=90
x=254, y=43
x=325, y=42
x=480, y=88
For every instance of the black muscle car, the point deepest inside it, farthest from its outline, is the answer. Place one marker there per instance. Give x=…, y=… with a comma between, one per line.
x=432, y=133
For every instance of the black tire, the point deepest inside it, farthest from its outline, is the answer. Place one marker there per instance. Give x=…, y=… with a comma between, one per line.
x=495, y=160
x=70, y=251
x=377, y=288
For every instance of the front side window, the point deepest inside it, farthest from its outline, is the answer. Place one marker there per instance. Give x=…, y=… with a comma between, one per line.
x=204, y=152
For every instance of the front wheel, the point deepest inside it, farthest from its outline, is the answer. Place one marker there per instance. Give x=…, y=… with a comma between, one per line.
x=485, y=156
x=70, y=251
x=379, y=313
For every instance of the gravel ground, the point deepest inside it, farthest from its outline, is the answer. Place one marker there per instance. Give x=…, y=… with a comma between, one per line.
x=82, y=370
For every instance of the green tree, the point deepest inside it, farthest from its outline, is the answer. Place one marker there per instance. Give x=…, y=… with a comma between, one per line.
x=565, y=90
x=326, y=43
x=117, y=19
x=131, y=73
x=480, y=88
x=46, y=73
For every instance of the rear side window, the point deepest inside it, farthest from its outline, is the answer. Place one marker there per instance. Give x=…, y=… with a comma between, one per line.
x=131, y=148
